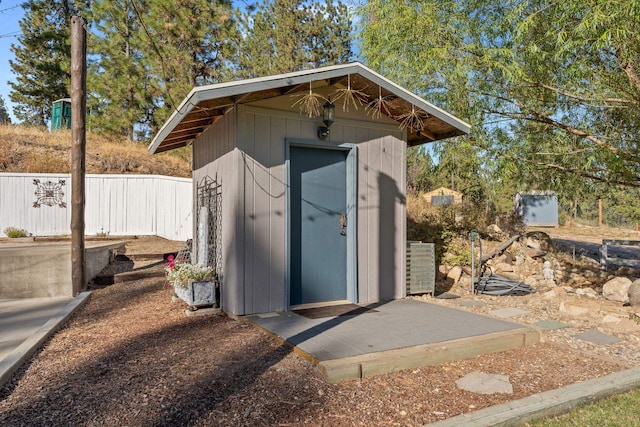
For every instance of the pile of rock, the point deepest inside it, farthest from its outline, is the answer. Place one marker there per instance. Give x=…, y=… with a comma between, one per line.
x=532, y=259
x=622, y=289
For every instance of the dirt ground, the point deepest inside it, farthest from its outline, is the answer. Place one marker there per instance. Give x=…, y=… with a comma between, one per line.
x=131, y=357
x=588, y=234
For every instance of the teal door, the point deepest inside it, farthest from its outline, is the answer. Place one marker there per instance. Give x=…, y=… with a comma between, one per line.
x=318, y=197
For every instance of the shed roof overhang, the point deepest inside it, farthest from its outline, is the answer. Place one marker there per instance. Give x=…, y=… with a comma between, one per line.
x=207, y=104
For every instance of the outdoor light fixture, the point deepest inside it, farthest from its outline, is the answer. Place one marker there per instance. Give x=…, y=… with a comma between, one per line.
x=327, y=118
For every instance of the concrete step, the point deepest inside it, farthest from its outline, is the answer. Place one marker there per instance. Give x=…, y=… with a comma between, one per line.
x=145, y=257
x=128, y=267
x=139, y=274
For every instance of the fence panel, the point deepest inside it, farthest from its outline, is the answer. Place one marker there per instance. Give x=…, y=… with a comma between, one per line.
x=115, y=204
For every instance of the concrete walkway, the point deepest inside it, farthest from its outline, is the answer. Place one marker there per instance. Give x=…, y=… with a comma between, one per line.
x=26, y=323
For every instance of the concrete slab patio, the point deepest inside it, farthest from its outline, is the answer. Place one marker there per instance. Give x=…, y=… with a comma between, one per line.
x=399, y=334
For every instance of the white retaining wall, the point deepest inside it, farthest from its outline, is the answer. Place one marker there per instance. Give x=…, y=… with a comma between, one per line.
x=121, y=205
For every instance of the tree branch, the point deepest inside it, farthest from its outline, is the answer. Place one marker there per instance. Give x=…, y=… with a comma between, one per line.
x=577, y=172
x=541, y=118
x=586, y=98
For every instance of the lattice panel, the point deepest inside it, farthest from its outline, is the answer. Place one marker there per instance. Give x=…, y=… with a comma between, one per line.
x=210, y=196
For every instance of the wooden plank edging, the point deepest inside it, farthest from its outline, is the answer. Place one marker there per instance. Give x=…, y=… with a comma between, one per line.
x=370, y=364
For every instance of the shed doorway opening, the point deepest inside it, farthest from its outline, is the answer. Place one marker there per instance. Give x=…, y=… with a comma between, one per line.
x=319, y=225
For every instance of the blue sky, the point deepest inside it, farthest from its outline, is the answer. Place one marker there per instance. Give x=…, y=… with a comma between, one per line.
x=9, y=28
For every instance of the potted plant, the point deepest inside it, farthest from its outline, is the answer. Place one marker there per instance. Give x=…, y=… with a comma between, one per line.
x=193, y=283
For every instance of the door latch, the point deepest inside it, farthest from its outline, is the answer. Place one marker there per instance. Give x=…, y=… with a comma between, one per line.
x=343, y=224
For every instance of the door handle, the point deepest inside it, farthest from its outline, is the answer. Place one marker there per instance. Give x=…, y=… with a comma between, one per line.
x=343, y=224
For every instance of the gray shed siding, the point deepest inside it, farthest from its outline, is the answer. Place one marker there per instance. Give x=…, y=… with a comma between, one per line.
x=261, y=140
x=215, y=153
x=381, y=216
x=247, y=150
x=381, y=178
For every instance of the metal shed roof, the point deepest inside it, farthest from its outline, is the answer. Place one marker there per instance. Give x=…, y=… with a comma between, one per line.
x=207, y=104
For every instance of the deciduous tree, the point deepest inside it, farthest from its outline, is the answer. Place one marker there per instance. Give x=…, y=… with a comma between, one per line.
x=551, y=88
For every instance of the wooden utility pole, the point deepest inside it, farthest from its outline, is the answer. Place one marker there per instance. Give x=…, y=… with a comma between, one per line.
x=78, y=150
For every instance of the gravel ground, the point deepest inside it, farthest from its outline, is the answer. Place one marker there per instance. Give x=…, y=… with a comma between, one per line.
x=539, y=308
x=131, y=357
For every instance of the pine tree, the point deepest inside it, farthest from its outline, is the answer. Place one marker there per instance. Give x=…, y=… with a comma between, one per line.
x=41, y=62
x=120, y=98
x=289, y=35
x=188, y=45
x=4, y=114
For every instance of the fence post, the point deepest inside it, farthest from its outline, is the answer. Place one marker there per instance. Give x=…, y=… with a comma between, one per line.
x=600, y=213
x=603, y=254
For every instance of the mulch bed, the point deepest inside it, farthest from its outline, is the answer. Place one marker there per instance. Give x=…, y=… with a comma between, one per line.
x=131, y=357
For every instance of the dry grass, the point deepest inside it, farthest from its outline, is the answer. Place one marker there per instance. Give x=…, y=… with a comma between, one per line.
x=417, y=207
x=379, y=106
x=414, y=119
x=36, y=150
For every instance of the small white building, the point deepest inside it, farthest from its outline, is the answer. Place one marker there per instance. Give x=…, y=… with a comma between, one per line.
x=537, y=208
x=304, y=211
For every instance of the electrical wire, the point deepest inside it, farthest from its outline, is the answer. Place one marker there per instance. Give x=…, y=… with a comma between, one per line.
x=12, y=34
x=11, y=8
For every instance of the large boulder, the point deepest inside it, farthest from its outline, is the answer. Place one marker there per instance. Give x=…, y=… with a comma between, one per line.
x=617, y=289
x=442, y=272
x=455, y=274
x=505, y=268
x=634, y=294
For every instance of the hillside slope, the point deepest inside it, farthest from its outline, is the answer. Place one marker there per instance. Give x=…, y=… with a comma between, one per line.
x=36, y=150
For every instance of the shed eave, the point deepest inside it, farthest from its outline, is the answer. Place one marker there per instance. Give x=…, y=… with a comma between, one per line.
x=242, y=88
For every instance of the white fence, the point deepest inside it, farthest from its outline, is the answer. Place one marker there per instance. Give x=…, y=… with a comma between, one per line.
x=121, y=205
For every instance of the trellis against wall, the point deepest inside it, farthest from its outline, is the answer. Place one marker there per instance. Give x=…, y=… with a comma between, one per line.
x=209, y=223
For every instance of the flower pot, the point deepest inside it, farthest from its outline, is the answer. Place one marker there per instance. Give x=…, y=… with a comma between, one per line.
x=197, y=293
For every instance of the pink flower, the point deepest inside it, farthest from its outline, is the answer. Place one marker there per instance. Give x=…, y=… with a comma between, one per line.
x=170, y=262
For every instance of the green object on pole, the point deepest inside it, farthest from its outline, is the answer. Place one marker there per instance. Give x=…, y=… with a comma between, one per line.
x=473, y=235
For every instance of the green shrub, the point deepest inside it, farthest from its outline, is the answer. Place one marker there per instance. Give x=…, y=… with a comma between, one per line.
x=15, y=232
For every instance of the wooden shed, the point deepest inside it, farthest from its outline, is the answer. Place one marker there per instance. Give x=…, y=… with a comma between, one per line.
x=295, y=211
x=443, y=196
